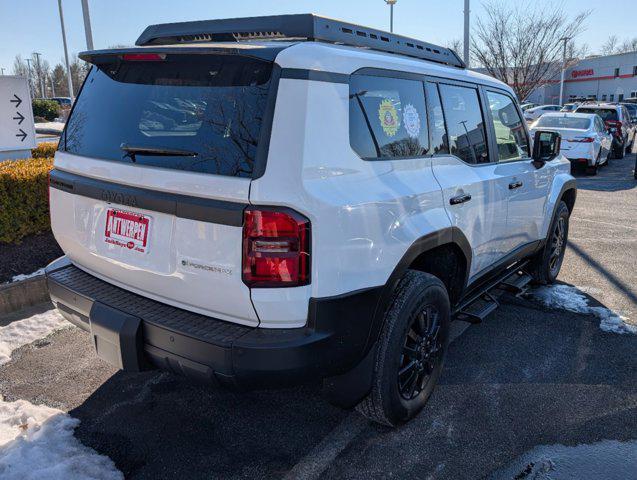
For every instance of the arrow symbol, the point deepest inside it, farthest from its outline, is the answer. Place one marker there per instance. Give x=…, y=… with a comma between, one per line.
x=21, y=134
x=19, y=118
x=17, y=101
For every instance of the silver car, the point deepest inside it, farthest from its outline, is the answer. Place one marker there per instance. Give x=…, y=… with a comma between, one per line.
x=586, y=141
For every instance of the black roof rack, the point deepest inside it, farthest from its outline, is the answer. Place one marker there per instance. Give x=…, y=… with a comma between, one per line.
x=295, y=27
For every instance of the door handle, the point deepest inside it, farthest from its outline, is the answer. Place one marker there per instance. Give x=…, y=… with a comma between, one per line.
x=460, y=199
x=514, y=185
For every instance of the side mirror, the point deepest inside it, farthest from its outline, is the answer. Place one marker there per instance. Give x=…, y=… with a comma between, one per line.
x=546, y=146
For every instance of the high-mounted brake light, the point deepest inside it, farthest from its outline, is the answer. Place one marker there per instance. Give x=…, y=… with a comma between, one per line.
x=276, y=248
x=144, y=57
x=583, y=139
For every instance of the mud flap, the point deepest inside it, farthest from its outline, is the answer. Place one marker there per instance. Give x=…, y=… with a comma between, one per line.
x=117, y=337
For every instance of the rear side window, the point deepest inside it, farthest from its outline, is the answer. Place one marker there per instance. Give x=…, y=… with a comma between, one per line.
x=208, y=109
x=606, y=113
x=465, y=125
x=387, y=117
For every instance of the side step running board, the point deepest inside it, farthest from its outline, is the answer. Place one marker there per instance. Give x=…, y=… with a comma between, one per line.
x=517, y=283
x=478, y=310
x=479, y=306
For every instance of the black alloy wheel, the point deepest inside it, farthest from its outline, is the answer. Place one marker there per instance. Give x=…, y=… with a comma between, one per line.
x=421, y=353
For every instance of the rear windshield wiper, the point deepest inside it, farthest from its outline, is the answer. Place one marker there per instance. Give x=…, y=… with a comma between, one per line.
x=132, y=151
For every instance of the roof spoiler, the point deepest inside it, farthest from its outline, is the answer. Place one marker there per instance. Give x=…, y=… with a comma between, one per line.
x=106, y=56
x=306, y=26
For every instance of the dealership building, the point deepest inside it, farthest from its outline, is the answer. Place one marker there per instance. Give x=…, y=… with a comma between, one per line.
x=610, y=78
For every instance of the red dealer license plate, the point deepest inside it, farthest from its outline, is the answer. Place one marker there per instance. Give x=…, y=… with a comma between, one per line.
x=127, y=230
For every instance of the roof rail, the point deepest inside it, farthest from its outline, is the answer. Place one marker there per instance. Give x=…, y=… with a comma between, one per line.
x=296, y=27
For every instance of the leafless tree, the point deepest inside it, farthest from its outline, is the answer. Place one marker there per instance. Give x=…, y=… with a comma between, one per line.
x=521, y=44
x=608, y=48
x=612, y=46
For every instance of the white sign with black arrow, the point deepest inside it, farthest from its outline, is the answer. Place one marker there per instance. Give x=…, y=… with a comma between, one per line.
x=17, y=130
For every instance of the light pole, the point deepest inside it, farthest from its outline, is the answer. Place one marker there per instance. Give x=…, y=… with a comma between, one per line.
x=391, y=4
x=38, y=69
x=565, y=40
x=87, y=25
x=66, y=52
x=466, y=33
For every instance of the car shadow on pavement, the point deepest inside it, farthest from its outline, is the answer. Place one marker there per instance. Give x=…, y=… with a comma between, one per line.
x=617, y=175
x=529, y=375
x=157, y=425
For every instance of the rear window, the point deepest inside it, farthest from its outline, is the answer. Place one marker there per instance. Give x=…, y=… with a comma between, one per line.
x=208, y=109
x=605, y=113
x=564, y=122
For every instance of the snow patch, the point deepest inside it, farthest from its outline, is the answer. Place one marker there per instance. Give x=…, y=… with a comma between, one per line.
x=17, y=278
x=571, y=298
x=23, y=332
x=37, y=442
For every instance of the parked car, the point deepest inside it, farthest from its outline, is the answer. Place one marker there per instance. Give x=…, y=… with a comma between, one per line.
x=632, y=111
x=536, y=112
x=586, y=141
x=526, y=106
x=617, y=118
x=254, y=213
x=569, y=107
x=63, y=101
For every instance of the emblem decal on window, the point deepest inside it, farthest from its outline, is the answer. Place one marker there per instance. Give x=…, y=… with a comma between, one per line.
x=388, y=117
x=411, y=120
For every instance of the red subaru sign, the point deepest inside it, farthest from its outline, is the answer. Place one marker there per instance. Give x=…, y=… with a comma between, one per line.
x=127, y=230
x=582, y=73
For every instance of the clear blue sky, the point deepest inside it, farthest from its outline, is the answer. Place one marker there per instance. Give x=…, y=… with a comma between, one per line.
x=33, y=25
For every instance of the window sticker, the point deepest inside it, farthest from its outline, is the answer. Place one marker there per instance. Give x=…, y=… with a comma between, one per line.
x=388, y=117
x=411, y=120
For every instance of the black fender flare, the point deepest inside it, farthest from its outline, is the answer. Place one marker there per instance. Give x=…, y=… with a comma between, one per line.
x=448, y=235
x=348, y=389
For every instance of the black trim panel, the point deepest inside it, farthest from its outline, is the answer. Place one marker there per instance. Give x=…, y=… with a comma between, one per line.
x=316, y=75
x=211, y=349
x=183, y=206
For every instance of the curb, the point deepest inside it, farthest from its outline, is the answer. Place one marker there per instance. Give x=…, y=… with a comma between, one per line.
x=22, y=294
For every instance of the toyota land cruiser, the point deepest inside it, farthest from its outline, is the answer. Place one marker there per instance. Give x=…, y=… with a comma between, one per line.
x=266, y=201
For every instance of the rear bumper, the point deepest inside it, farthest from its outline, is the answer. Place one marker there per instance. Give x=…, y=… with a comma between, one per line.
x=135, y=332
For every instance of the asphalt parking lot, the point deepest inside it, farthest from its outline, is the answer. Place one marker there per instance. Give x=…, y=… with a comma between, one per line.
x=535, y=391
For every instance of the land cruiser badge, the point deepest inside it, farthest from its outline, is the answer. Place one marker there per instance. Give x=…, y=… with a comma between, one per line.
x=388, y=117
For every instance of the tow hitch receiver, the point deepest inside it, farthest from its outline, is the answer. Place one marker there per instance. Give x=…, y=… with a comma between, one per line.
x=117, y=337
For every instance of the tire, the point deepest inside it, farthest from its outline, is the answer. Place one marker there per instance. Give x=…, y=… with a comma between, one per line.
x=545, y=267
x=618, y=154
x=594, y=169
x=408, y=363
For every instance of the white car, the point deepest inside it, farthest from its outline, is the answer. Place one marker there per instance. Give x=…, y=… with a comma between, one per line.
x=534, y=113
x=259, y=210
x=586, y=141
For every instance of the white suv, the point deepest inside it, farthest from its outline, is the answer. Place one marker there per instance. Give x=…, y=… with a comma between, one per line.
x=243, y=205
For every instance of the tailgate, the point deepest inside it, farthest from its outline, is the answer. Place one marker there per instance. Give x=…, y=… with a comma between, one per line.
x=153, y=175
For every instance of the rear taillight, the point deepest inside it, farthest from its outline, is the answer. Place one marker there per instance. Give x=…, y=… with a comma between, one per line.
x=583, y=139
x=144, y=57
x=617, y=125
x=276, y=248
